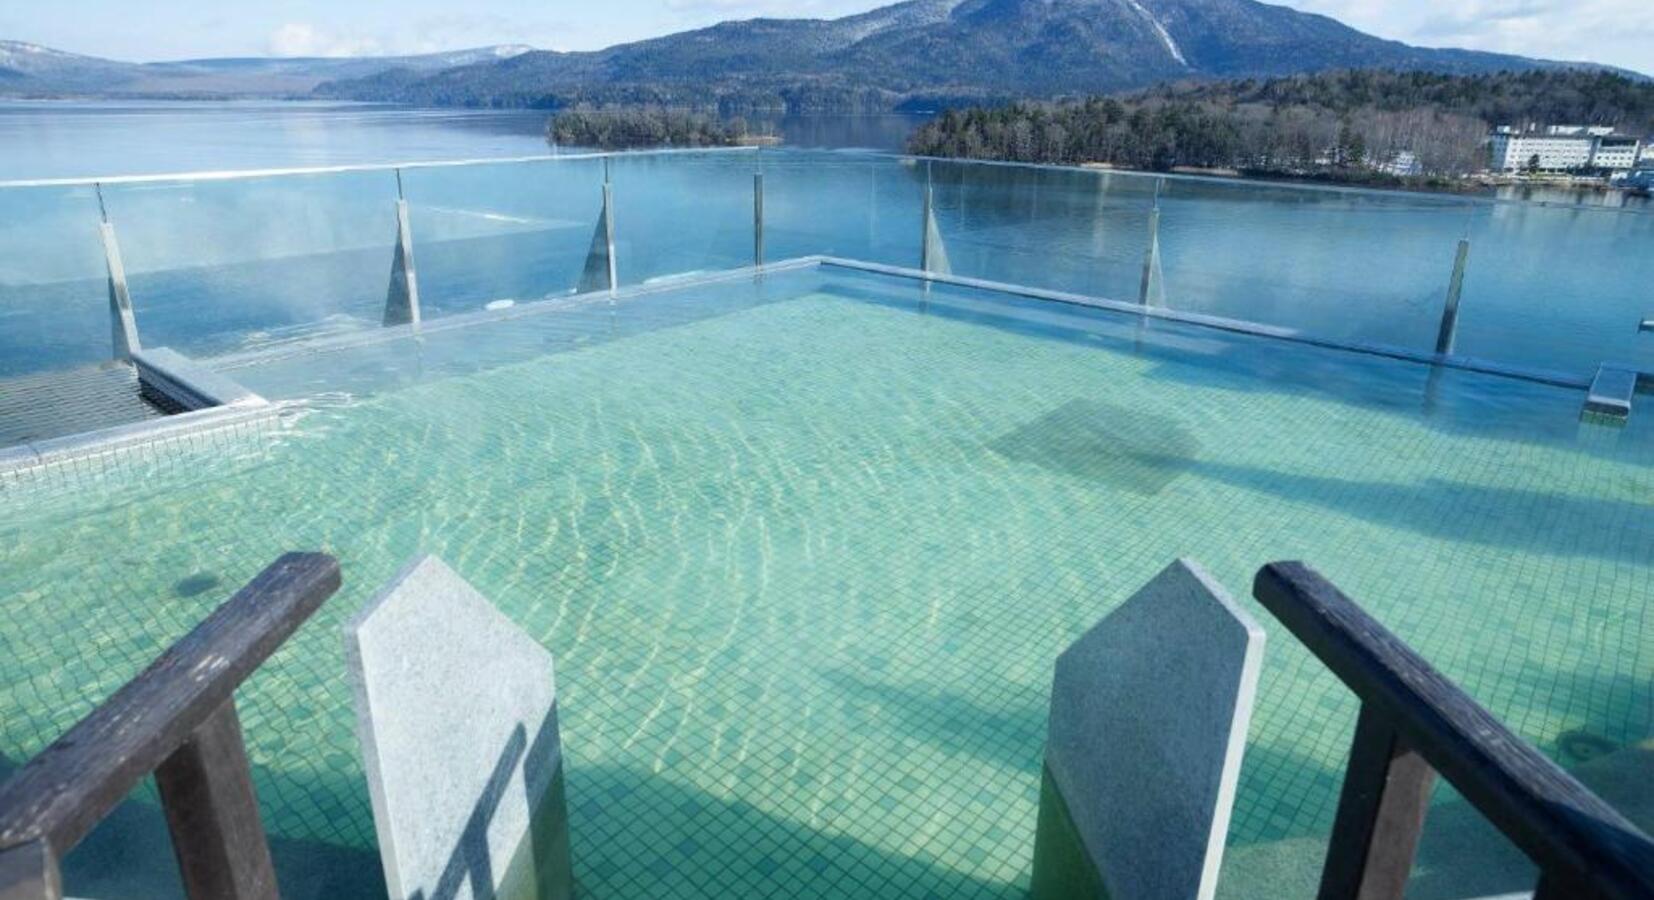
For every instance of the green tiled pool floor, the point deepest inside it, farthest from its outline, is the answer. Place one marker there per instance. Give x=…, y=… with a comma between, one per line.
x=805, y=567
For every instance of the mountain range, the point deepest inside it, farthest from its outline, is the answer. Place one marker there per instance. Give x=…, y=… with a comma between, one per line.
x=913, y=54
x=32, y=70
x=924, y=53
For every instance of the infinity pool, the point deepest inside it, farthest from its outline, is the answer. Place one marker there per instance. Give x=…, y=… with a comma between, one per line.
x=806, y=547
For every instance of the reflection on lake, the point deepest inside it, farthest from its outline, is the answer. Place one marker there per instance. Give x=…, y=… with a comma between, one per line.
x=1574, y=196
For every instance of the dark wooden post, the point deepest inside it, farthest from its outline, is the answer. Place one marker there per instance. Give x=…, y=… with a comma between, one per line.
x=1414, y=723
x=1559, y=887
x=207, y=792
x=1380, y=815
x=176, y=719
x=29, y=872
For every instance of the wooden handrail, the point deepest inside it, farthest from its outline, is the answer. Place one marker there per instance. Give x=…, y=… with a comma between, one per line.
x=1415, y=722
x=176, y=719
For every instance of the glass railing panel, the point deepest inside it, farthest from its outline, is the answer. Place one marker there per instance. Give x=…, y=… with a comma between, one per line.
x=1558, y=287
x=1355, y=266
x=222, y=265
x=680, y=213
x=861, y=206
x=54, y=295
x=1066, y=229
x=489, y=233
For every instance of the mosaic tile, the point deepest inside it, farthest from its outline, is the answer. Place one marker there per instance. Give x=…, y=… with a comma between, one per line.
x=805, y=560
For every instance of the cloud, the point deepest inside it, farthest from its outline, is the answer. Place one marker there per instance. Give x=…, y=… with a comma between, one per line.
x=427, y=34
x=1617, y=32
x=455, y=31
x=304, y=39
x=746, y=9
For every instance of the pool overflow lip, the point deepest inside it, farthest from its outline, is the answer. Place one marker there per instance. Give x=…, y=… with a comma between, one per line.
x=517, y=310
x=669, y=283
x=205, y=399
x=174, y=382
x=1220, y=323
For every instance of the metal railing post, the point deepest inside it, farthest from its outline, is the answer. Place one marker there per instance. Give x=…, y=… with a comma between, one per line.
x=402, y=297
x=599, y=273
x=933, y=254
x=1151, y=255
x=123, y=324
x=758, y=219
x=924, y=223
x=1450, y=309
x=609, y=222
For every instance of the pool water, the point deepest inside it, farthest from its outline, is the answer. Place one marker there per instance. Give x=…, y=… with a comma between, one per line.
x=805, y=549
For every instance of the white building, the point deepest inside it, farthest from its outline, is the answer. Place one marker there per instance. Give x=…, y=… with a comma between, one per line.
x=1514, y=151
x=1617, y=152
x=1562, y=148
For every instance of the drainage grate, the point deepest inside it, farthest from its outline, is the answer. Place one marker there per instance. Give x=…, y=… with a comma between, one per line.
x=55, y=404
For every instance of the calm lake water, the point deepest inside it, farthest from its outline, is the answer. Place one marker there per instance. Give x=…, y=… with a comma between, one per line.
x=57, y=139
x=1554, y=282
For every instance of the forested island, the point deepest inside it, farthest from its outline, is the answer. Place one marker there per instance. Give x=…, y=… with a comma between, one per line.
x=635, y=127
x=1362, y=126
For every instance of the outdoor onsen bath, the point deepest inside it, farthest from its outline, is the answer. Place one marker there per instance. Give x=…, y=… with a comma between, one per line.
x=833, y=519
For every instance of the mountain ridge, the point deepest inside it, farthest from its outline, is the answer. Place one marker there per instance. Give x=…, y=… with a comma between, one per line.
x=915, y=54
x=932, y=52
x=33, y=70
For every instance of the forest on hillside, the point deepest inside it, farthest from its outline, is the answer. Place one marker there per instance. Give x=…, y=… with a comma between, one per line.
x=1353, y=124
x=1577, y=96
x=629, y=128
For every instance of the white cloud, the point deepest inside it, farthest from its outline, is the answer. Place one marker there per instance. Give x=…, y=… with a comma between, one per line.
x=456, y=31
x=304, y=39
x=427, y=34
x=744, y=9
x=1616, y=32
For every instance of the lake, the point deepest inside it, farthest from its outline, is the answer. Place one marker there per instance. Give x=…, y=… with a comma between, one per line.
x=1554, y=281
x=73, y=139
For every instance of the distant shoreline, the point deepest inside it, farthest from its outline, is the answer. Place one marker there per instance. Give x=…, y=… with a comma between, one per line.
x=1326, y=179
x=1472, y=185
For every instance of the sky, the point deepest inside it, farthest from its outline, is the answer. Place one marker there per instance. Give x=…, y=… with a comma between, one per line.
x=1617, y=32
